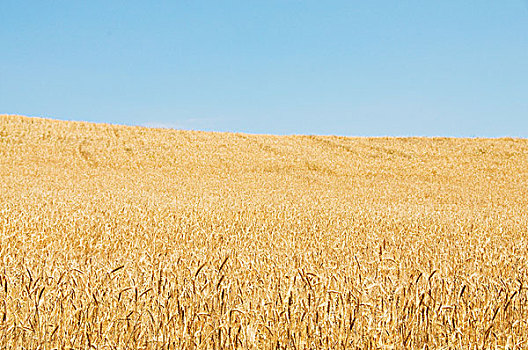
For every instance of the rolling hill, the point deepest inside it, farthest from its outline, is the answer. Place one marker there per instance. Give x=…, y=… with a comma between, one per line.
x=129, y=237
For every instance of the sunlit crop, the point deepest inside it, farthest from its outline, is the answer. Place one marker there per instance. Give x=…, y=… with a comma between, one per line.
x=115, y=237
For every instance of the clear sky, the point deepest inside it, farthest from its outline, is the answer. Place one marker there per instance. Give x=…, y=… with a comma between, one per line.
x=365, y=68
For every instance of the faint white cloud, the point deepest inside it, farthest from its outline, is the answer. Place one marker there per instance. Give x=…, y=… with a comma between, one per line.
x=163, y=125
x=205, y=124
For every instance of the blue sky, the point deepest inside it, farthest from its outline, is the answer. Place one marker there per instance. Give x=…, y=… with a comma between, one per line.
x=358, y=68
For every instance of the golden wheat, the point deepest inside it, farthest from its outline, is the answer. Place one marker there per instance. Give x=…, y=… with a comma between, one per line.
x=117, y=237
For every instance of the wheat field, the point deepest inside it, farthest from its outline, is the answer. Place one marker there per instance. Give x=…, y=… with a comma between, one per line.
x=119, y=237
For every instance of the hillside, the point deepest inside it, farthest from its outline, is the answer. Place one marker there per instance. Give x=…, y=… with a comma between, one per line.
x=128, y=237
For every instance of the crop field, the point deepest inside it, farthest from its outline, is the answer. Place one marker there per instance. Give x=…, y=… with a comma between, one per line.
x=118, y=237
